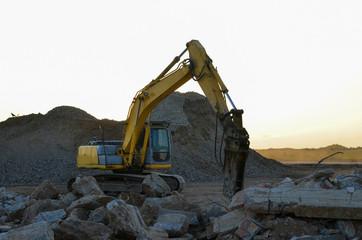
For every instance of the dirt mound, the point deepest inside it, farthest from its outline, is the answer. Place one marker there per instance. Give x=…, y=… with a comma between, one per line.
x=38, y=147
x=69, y=112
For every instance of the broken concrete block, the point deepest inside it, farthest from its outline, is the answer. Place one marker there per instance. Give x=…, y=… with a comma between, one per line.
x=135, y=199
x=286, y=228
x=237, y=200
x=153, y=233
x=151, y=207
x=248, y=228
x=317, y=203
x=68, y=198
x=192, y=217
x=15, y=211
x=154, y=186
x=50, y=216
x=44, y=191
x=212, y=212
x=98, y=215
x=39, y=230
x=90, y=202
x=79, y=214
x=37, y=206
x=175, y=225
x=229, y=222
x=125, y=220
x=286, y=183
x=86, y=186
x=77, y=229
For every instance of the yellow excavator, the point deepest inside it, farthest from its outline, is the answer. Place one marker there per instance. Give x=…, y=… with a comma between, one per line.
x=146, y=144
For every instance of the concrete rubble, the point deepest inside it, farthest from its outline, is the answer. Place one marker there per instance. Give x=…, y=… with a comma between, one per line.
x=86, y=213
x=317, y=207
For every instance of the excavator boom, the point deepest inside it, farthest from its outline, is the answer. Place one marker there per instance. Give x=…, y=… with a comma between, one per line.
x=200, y=68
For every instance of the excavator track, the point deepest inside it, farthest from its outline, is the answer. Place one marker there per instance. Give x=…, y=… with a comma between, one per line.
x=116, y=183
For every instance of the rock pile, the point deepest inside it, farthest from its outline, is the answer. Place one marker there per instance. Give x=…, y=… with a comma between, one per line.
x=316, y=207
x=37, y=147
x=86, y=213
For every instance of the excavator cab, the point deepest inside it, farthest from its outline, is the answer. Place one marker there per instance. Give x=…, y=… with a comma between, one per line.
x=106, y=154
x=158, y=153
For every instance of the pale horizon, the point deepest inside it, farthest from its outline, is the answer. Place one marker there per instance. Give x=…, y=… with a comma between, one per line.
x=294, y=67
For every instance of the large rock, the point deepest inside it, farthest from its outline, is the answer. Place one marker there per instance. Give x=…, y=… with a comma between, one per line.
x=15, y=211
x=152, y=206
x=90, y=202
x=36, y=231
x=37, y=206
x=98, y=215
x=86, y=186
x=50, y=216
x=125, y=220
x=229, y=222
x=212, y=212
x=79, y=214
x=44, y=191
x=192, y=217
x=68, y=198
x=175, y=225
x=153, y=233
x=76, y=229
x=154, y=186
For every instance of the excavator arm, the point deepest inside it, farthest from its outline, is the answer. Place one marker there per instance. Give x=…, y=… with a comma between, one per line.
x=200, y=68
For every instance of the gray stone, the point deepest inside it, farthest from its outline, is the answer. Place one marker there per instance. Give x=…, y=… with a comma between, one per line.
x=175, y=225
x=79, y=214
x=76, y=229
x=90, y=202
x=237, y=200
x=98, y=215
x=37, y=206
x=135, y=199
x=153, y=233
x=68, y=198
x=44, y=191
x=150, y=209
x=154, y=186
x=35, y=231
x=50, y=216
x=215, y=211
x=304, y=202
x=192, y=217
x=15, y=211
x=125, y=220
x=86, y=186
x=229, y=222
x=24, y=199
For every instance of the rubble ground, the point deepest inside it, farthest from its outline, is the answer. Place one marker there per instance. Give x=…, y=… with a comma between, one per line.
x=199, y=212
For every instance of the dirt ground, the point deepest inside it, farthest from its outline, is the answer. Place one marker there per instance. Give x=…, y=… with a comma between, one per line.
x=206, y=194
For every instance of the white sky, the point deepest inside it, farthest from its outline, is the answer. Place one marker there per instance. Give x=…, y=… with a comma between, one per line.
x=295, y=67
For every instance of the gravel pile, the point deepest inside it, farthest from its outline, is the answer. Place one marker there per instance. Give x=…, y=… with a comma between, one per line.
x=38, y=147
